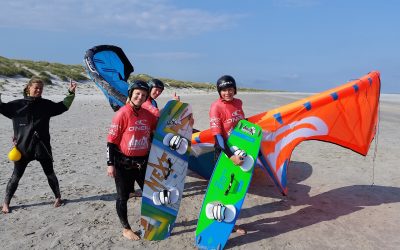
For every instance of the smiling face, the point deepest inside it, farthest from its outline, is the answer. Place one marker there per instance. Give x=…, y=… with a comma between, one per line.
x=155, y=92
x=35, y=89
x=138, y=97
x=227, y=94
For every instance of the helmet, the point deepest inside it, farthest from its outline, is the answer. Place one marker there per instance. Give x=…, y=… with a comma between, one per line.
x=224, y=82
x=138, y=84
x=155, y=83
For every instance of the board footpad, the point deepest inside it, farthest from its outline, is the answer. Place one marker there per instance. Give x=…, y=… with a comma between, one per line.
x=176, y=143
x=220, y=212
x=165, y=197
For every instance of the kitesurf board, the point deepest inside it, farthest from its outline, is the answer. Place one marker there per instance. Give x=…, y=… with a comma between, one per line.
x=166, y=171
x=228, y=187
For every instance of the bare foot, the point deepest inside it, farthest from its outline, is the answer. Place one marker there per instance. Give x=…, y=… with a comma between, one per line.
x=239, y=230
x=129, y=234
x=58, y=202
x=5, y=209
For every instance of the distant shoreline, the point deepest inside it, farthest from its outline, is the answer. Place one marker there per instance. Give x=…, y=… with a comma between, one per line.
x=12, y=87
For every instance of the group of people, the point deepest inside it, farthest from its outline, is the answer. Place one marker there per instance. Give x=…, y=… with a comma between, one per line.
x=128, y=141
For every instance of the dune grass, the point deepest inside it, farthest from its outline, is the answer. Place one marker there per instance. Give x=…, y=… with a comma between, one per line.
x=52, y=71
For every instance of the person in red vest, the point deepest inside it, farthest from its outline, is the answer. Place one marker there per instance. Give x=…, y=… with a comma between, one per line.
x=128, y=148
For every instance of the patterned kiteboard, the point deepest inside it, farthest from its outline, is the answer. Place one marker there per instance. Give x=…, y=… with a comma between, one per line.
x=166, y=171
x=228, y=187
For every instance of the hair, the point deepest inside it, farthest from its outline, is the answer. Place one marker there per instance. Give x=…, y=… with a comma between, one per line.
x=34, y=79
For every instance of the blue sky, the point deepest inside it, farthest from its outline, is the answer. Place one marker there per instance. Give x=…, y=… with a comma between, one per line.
x=294, y=45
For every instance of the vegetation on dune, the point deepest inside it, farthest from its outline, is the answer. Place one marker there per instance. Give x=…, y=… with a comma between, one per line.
x=8, y=68
x=51, y=71
x=47, y=71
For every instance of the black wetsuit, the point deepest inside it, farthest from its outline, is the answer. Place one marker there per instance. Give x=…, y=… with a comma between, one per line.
x=128, y=146
x=31, y=118
x=127, y=171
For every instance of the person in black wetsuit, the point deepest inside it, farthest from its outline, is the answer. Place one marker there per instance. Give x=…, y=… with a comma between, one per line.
x=31, y=117
x=128, y=147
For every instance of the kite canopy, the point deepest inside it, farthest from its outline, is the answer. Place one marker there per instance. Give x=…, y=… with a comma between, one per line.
x=109, y=68
x=346, y=116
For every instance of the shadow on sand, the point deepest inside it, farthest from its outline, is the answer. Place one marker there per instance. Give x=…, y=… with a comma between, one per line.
x=322, y=207
x=103, y=197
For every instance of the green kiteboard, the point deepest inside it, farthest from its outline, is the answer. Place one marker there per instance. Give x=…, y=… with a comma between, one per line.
x=228, y=187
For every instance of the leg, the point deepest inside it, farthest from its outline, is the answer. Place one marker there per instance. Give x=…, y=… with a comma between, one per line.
x=239, y=230
x=19, y=169
x=124, y=182
x=48, y=169
x=140, y=174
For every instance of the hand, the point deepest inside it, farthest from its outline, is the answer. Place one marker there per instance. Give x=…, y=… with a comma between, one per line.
x=237, y=159
x=111, y=171
x=176, y=97
x=72, y=86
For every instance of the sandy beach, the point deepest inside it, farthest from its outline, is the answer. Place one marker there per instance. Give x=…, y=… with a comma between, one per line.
x=337, y=199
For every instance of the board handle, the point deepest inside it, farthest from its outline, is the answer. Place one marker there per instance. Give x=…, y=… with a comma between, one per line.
x=230, y=184
x=169, y=168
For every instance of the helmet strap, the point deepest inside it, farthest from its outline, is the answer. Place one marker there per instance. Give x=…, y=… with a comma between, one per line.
x=135, y=108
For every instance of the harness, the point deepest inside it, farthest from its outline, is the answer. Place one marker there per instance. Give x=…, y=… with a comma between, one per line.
x=132, y=162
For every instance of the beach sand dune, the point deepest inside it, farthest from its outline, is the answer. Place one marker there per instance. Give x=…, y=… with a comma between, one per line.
x=332, y=203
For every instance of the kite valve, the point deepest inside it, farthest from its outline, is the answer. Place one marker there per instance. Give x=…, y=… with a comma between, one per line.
x=14, y=154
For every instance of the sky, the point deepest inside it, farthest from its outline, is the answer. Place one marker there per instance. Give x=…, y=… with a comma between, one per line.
x=291, y=45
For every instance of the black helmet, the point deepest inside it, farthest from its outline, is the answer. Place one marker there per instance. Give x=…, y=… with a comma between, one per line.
x=155, y=83
x=138, y=84
x=224, y=82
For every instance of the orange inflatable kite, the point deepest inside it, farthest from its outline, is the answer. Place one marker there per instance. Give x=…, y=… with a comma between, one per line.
x=346, y=116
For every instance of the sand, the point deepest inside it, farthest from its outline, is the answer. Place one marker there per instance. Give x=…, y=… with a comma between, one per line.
x=337, y=199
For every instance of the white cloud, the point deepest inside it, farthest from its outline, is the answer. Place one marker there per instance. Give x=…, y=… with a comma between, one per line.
x=134, y=18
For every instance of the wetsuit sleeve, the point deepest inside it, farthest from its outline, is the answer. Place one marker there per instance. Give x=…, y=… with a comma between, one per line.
x=215, y=120
x=221, y=144
x=2, y=106
x=57, y=108
x=6, y=109
x=69, y=99
x=111, y=153
x=118, y=125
